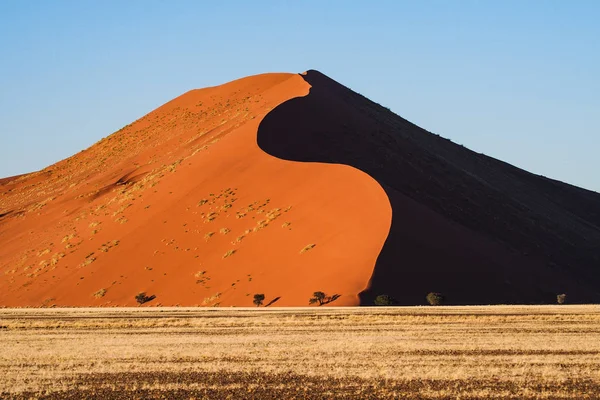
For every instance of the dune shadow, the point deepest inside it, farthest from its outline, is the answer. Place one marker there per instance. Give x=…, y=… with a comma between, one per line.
x=463, y=224
x=331, y=299
x=2, y=215
x=273, y=301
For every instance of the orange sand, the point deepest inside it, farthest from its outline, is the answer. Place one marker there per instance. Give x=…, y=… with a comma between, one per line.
x=135, y=212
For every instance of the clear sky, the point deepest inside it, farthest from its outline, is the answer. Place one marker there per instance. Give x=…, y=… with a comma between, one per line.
x=516, y=80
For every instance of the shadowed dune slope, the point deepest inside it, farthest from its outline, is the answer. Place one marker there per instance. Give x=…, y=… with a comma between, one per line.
x=183, y=205
x=476, y=229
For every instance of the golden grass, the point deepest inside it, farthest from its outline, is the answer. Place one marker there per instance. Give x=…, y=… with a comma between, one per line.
x=496, y=352
x=100, y=293
x=229, y=253
x=307, y=248
x=88, y=260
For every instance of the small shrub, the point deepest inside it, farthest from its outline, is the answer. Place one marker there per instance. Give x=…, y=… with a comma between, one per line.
x=201, y=277
x=100, y=293
x=384, y=300
x=208, y=300
x=141, y=298
x=561, y=298
x=307, y=248
x=258, y=299
x=229, y=253
x=435, y=299
x=208, y=235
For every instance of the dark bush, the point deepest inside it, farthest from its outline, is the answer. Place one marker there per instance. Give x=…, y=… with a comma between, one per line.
x=384, y=300
x=258, y=299
x=435, y=299
x=141, y=298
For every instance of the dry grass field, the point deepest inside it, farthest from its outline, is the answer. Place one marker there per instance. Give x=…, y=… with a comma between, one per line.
x=495, y=352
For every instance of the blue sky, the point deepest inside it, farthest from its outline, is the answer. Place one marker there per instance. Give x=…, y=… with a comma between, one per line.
x=516, y=80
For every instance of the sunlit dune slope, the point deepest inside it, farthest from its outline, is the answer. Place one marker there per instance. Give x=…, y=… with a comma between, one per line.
x=183, y=205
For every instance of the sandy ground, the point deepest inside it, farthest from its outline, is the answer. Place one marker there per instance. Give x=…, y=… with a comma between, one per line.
x=493, y=352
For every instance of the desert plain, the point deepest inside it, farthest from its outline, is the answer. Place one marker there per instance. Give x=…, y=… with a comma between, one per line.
x=470, y=352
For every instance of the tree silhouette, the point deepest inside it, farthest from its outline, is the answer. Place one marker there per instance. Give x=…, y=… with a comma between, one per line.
x=318, y=297
x=258, y=299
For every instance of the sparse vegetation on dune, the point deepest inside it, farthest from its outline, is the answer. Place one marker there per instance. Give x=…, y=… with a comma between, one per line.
x=561, y=298
x=229, y=253
x=307, y=248
x=500, y=352
x=434, y=299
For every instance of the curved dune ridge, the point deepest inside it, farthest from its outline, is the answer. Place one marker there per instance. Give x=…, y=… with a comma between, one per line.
x=184, y=206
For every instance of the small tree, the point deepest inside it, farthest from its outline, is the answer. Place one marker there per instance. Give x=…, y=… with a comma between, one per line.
x=435, y=299
x=561, y=298
x=258, y=299
x=384, y=300
x=141, y=298
x=318, y=297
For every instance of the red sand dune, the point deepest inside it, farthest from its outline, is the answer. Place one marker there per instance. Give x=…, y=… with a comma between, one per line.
x=285, y=185
x=183, y=205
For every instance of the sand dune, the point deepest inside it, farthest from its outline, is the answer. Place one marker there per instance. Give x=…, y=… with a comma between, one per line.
x=287, y=184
